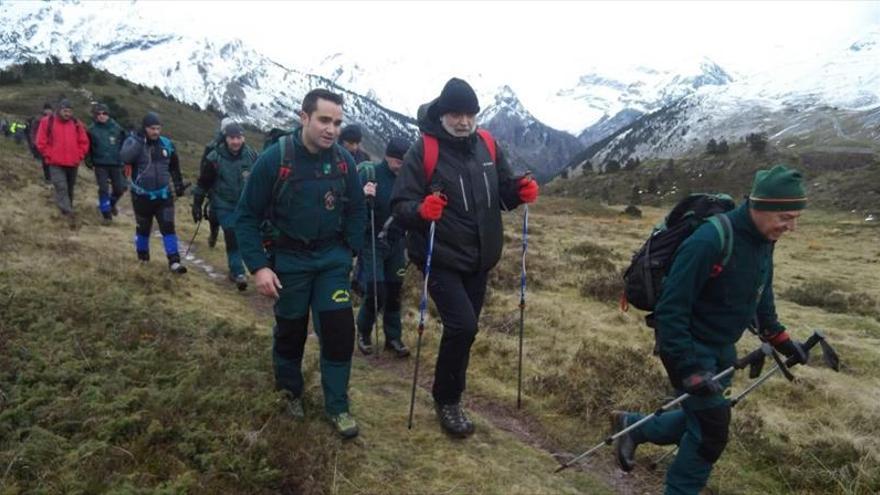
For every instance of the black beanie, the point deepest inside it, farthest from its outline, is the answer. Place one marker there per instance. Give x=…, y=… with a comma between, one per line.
x=100, y=107
x=47, y=106
x=150, y=120
x=397, y=148
x=232, y=130
x=351, y=133
x=457, y=96
x=65, y=103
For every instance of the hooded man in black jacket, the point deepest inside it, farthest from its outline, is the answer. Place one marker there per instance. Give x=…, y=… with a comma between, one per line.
x=464, y=195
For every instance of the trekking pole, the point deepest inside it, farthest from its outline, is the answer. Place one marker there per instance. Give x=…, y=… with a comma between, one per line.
x=191, y=241
x=522, y=304
x=758, y=354
x=423, y=307
x=828, y=354
x=372, y=203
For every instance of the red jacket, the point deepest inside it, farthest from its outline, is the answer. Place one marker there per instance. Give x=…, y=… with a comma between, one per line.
x=62, y=143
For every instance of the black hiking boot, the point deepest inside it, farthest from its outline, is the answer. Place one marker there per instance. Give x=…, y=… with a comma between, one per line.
x=365, y=343
x=114, y=211
x=240, y=281
x=453, y=420
x=106, y=218
x=176, y=267
x=400, y=350
x=624, y=446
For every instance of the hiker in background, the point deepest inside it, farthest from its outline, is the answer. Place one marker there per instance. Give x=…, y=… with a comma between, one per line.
x=106, y=138
x=307, y=186
x=464, y=195
x=18, y=132
x=702, y=312
x=390, y=262
x=33, y=127
x=222, y=177
x=217, y=140
x=152, y=165
x=63, y=143
x=350, y=138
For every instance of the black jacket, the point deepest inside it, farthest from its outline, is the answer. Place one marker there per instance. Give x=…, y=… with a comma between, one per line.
x=469, y=235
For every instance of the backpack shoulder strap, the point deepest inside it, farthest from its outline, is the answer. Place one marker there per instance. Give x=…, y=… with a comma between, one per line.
x=488, y=140
x=725, y=232
x=431, y=154
x=285, y=149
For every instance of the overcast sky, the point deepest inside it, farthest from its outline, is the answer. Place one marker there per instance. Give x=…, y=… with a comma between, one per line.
x=525, y=38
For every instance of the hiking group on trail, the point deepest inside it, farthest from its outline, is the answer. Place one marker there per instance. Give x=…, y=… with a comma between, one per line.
x=297, y=214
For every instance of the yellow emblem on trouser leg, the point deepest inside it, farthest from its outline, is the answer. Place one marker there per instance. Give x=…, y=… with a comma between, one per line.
x=340, y=296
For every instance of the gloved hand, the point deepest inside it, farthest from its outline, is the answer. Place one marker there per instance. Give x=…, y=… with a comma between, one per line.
x=432, y=206
x=370, y=189
x=701, y=383
x=89, y=164
x=180, y=190
x=791, y=348
x=528, y=189
x=197, y=208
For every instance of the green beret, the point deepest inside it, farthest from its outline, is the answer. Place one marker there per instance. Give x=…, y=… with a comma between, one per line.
x=778, y=189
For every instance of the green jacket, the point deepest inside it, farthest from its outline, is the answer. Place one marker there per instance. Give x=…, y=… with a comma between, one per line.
x=310, y=207
x=716, y=310
x=105, y=141
x=223, y=175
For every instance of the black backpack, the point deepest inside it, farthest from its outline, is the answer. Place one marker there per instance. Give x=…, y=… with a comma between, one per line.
x=643, y=279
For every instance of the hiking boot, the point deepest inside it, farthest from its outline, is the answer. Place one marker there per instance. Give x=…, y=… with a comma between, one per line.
x=345, y=425
x=177, y=267
x=240, y=281
x=453, y=420
x=114, y=211
x=143, y=256
x=624, y=446
x=397, y=346
x=365, y=343
x=293, y=406
x=106, y=218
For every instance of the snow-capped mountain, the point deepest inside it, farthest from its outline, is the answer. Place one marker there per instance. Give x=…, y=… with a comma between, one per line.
x=531, y=144
x=602, y=94
x=818, y=101
x=225, y=74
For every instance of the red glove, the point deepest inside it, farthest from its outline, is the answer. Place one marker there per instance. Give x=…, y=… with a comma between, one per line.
x=126, y=171
x=432, y=207
x=528, y=190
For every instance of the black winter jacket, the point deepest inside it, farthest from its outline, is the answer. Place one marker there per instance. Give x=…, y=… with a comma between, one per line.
x=469, y=235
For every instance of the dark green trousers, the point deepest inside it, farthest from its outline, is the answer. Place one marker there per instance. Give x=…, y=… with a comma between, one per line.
x=315, y=282
x=700, y=428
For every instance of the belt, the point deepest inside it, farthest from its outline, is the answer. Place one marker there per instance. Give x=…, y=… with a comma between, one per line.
x=285, y=242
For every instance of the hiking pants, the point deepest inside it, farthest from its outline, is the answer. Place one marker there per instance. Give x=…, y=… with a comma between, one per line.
x=111, y=186
x=315, y=281
x=145, y=209
x=459, y=299
x=390, y=269
x=46, y=175
x=64, y=180
x=700, y=427
x=226, y=219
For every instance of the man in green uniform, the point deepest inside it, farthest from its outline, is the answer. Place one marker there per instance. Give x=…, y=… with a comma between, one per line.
x=390, y=262
x=702, y=312
x=307, y=187
x=106, y=138
x=222, y=177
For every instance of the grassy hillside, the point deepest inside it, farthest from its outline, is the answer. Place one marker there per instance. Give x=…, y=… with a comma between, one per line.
x=123, y=378
x=843, y=178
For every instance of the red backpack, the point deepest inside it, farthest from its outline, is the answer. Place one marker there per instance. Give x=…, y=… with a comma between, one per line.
x=432, y=150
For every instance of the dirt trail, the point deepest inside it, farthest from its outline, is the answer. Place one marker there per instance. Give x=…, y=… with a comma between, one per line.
x=520, y=424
